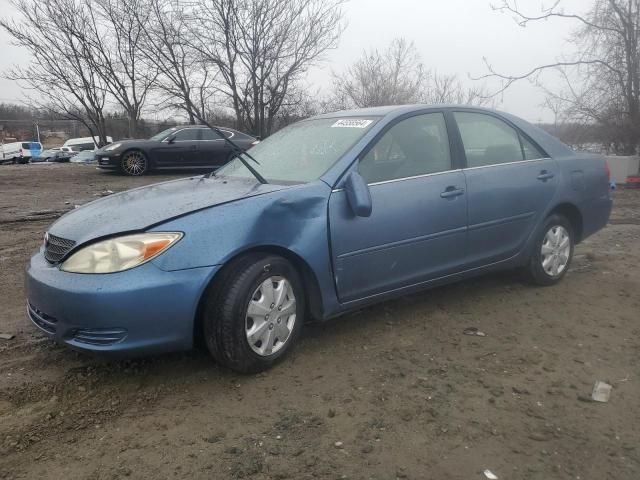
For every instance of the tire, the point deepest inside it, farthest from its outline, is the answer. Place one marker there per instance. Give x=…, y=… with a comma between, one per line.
x=550, y=261
x=134, y=163
x=243, y=289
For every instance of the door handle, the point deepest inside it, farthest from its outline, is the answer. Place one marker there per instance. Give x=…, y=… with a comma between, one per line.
x=451, y=192
x=544, y=175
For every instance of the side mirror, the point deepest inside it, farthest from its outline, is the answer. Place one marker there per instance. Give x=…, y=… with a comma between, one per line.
x=171, y=139
x=358, y=195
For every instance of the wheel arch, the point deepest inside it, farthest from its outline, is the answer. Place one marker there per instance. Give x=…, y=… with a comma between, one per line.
x=572, y=213
x=311, y=285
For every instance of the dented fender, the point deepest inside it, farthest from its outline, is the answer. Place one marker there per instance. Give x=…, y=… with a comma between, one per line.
x=294, y=218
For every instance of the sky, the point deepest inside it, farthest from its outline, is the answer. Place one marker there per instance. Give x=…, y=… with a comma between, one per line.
x=452, y=36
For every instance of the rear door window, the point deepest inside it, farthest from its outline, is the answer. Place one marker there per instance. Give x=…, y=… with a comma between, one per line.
x=488, y=140
x=209, y=135
x=531, y=152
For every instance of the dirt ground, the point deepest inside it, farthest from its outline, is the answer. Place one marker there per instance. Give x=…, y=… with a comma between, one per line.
x=394, y=391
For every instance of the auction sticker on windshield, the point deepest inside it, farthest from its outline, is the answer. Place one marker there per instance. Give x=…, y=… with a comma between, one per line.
x=352, y=123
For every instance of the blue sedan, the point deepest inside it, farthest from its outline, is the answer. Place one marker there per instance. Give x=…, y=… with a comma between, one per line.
x=327, y=215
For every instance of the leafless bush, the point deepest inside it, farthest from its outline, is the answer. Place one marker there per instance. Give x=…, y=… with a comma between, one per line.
x=397, y=76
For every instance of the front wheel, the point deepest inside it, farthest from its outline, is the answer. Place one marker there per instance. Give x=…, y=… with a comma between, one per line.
x=254, y=313
x=134, y=163
x=553, y=252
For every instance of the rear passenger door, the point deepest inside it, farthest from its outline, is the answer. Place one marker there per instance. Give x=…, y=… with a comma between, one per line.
x=510, y=182
x=214, y=151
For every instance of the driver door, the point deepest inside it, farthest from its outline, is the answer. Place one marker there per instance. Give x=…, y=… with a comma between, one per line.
x=417, y=228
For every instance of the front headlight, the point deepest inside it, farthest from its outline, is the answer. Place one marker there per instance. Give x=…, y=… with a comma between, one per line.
x=121, y=253
x=113, y=146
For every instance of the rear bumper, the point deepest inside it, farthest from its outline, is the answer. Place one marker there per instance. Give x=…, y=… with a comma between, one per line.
x=141, y=311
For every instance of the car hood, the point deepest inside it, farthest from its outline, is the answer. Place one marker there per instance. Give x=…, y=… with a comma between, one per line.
x=141, y=208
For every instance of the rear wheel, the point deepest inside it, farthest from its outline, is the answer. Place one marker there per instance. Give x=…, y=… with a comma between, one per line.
x=255, y=313
x=134, y=163
x=553, y=252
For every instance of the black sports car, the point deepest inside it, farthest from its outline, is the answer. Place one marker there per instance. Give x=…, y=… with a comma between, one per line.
x=178, y=147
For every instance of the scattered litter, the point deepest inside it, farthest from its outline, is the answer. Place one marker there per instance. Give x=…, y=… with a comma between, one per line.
x=601, y=392
x=67, y=203
x=520, y=391
x=474, y=332
x=338, y=444
x=7, y=336
x=490, y=475
x=103, y=193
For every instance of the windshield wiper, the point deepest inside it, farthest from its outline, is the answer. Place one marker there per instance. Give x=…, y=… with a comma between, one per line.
x=239, y=152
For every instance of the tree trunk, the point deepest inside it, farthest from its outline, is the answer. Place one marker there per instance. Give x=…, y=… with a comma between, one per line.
x=133, y=124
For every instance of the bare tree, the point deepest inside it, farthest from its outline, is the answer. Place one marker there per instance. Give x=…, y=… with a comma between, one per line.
x=449, y=89
x=397, y=76
x=185, y=81
x=261, y=50
x=601, y=80
x=394, y=76
x=116, y=32
x=59, y=74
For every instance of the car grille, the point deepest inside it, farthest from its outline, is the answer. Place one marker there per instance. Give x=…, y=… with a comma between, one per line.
x=42, y=320
x=56, y=248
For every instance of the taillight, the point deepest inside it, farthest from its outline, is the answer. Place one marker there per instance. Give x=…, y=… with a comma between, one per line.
x=607, y=169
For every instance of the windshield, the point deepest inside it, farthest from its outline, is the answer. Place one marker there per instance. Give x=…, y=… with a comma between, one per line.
x=163, y=134
x=301, y=152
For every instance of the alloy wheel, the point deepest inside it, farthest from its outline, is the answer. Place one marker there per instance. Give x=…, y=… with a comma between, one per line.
x=134, y=163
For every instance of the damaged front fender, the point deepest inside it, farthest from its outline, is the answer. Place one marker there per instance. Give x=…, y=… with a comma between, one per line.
x=293, y=219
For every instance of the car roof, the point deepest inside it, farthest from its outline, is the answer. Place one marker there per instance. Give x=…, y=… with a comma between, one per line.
x=205, y=127
x=395, y=110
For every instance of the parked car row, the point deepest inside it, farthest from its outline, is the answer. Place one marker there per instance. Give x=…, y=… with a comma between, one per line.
x=186, y=147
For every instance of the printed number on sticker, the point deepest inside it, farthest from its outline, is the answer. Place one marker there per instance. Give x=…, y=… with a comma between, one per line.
x=352, y=123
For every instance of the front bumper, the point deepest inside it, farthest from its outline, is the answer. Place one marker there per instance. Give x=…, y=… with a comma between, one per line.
x=108, y=160
x=141, y=311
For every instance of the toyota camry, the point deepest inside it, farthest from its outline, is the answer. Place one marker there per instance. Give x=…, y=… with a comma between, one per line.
x=328, y=215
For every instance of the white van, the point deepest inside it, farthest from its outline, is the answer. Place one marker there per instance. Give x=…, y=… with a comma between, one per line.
x=84, y=143
x=19, y=152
